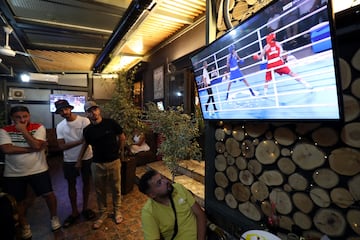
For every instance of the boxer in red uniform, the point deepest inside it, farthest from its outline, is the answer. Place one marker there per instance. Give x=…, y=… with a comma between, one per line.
x=275, y=61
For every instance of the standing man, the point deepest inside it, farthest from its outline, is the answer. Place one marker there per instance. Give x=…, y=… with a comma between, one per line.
x=24, y=144
x=106, y=138
x=207, y=83
x=232, y=64
x=275, y=62
x=171, y=211
x=70, y=139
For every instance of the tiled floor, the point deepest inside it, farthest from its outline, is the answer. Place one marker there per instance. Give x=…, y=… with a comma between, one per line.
x=38, y=214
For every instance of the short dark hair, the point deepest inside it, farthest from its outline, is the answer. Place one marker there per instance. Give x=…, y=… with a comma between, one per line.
x=144, y=181
x=18, y=109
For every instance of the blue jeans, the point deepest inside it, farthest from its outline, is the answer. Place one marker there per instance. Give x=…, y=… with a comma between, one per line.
x=107, y=176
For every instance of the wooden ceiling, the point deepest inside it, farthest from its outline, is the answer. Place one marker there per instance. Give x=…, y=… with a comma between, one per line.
x=78, y=36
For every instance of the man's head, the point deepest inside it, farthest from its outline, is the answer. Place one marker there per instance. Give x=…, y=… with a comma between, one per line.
x=271, y=38
x=154, y=184
x=231, y=48
x=93, y=111
x=20, y=114
x=205, y=64
x=63, y=108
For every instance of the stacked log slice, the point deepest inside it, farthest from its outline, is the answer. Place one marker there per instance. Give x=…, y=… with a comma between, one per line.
x=246, y=177
x=286, y=165
x=355, y=88
x=353, y=218
x=282, y=201
x=355, y=60
x=351, y=108
x=220, y=162
x=303, y=202
x=348, y=155
x=341, y=197
x=219, y=193
x=284, y=136
x=298, y=182
x=232, y=173
x=254, y=167
x=240, y=192
x=325, y=178
x=350, y=134
x=307, y=156
x=320, y=197
x=302, y=220
x=230, y=200
x=353, y=185
x=241, y=163
x=272, y=178
x=221, y=180
x=345, y=73
x=259, y=191
x=330, y=221
x=267, y=152
x=250, y=210
x=232, y=147
x=325, y=136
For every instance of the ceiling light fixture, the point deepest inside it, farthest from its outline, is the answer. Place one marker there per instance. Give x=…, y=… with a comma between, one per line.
x=25, y=77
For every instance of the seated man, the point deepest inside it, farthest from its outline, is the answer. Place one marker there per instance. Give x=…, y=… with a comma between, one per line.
x=171, y=211
x=139, y=144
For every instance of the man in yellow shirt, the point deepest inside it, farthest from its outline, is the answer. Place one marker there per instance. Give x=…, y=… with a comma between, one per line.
x=171, y=211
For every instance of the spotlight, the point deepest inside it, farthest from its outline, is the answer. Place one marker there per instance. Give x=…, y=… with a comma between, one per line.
x=25, y=77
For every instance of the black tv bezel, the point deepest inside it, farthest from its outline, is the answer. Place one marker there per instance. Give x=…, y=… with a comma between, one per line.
x=332, y=24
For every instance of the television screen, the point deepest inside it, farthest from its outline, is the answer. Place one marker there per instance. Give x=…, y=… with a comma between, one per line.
x=279, y=64
x=77, y=101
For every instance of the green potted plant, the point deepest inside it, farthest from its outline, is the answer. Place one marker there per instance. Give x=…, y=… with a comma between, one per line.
x=121, y=106
x=179, y=132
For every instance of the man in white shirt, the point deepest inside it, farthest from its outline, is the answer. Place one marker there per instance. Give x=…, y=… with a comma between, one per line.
x=207, y=83
x=70, y=139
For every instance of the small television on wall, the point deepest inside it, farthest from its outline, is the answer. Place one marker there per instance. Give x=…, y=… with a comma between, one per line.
x=280, y=64
x=77, y=101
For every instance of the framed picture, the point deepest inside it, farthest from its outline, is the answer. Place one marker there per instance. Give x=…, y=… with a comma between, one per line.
x=158, y=82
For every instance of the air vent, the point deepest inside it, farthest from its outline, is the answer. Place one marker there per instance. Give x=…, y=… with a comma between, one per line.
x=16, y=94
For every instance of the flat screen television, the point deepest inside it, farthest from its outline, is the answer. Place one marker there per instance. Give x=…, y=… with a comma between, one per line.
x=279, y=64
x=78, y=101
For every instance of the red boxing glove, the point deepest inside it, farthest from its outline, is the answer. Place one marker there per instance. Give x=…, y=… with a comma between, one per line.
x=256, y=57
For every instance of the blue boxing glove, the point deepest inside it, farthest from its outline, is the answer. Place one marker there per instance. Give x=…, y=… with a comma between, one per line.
x=241, y=61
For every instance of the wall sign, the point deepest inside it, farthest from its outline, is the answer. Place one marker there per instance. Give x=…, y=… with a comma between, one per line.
x=158, y=82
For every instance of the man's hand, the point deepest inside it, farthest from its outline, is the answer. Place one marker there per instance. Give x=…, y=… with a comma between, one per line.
x=21, y=127
x=78, y=165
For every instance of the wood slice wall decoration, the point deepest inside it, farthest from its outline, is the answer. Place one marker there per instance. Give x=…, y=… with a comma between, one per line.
x=307, y=177
x=311, y=171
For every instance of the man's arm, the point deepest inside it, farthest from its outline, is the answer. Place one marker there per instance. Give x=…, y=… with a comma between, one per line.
x=11, y=149
x=122, y=139
x=200, y=221
x=35, y=145
x=64, y=146
x=33, y=142
x=257, y=56
x=81, y=154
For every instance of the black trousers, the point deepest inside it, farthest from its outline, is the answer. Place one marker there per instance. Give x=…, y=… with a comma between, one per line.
x=210, y=99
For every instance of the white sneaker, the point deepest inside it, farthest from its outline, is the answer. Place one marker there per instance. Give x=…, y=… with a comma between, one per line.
x=26, y=232
x=55, y=223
